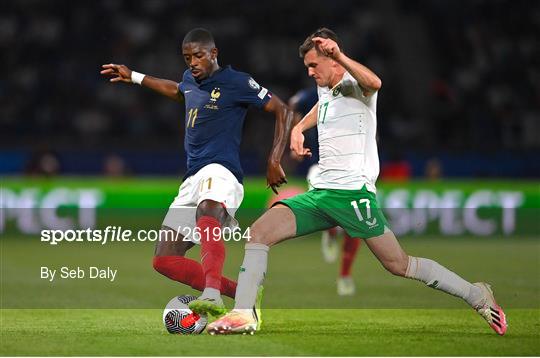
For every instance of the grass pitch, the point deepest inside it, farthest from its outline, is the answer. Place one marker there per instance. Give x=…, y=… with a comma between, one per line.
x=314, y=332
x=303, y=315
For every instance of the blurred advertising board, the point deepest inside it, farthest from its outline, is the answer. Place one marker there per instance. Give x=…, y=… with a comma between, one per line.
x=452, y=208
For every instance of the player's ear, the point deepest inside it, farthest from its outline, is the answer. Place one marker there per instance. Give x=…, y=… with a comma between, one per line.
x=214, y=53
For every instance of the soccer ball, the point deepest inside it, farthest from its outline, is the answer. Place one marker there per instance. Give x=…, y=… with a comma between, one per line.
x=179, y=319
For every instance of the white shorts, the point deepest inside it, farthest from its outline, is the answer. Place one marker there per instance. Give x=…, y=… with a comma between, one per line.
x=213, y=182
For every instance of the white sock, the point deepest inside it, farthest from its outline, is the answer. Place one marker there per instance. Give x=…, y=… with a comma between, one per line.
x=439, y=277
x=251, y=275
x=213, y=293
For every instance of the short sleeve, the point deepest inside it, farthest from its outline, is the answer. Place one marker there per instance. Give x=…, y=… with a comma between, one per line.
x=249, y=92
x=352, y=88
x=182, y=84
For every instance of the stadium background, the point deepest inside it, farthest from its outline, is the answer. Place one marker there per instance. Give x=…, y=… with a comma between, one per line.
x=459, y=134
x=460, y=79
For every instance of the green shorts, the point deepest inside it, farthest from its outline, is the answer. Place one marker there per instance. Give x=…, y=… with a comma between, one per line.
x=356, y=211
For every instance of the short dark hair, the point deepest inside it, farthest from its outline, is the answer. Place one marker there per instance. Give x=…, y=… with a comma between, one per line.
x=323, y=32
x=200, y=35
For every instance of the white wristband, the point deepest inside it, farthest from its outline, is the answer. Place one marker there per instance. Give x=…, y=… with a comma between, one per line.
x=137, y=77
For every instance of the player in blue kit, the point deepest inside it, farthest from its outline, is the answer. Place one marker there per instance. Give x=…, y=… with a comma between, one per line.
x=216, y=101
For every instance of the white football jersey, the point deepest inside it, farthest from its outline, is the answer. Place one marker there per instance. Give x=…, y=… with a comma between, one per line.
x=347, y=127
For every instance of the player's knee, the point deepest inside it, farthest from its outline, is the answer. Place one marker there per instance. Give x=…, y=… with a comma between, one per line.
x=211, y=208
x=397, y=266
x=259, y=234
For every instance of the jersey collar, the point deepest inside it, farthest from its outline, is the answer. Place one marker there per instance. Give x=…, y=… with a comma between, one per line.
x=215, y=75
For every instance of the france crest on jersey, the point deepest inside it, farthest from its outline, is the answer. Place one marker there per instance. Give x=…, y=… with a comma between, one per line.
x=215, y=112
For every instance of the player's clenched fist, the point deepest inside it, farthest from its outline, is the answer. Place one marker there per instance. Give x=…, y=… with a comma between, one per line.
x=119, y=73
x=327, y=47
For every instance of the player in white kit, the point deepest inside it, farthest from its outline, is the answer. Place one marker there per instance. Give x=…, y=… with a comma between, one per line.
x=344, y=193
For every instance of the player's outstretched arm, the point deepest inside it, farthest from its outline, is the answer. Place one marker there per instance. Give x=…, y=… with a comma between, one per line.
x=275, y=175
x=368, y=80
x=122, y=73
x=297, y=133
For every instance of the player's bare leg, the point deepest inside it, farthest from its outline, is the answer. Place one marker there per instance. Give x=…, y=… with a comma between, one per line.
x=210, y=218
x=274, y=226
x=479, y=295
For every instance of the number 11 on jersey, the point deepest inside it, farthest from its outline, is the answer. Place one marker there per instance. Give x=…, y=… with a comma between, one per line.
x=192, y=115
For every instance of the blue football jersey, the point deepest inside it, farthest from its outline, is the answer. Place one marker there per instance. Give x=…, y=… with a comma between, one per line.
x=215, y=112
x=306, y=100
